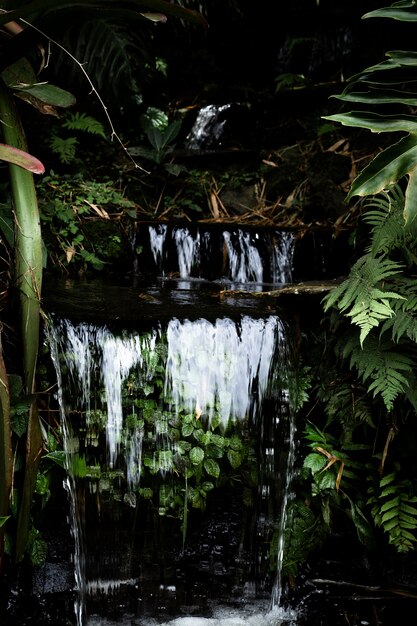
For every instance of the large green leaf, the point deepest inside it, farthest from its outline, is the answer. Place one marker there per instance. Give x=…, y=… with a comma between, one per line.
x=386, y=168
x=49, y=94
x=391, y=75
x=403, y=11
x=21, y=77
x=403, y=57
x=196, y=455
x=19, y=72
x=375, y=122
x=379, y=96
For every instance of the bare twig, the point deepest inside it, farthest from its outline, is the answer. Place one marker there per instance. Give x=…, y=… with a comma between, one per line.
x=113, y=134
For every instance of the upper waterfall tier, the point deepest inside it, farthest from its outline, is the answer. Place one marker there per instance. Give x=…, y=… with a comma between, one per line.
x=234, y=254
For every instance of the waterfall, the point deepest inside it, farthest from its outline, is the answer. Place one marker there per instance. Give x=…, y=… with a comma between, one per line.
x=282, y=252
x=153, y=423
x=245, y=263
x=157, y=236
x=188, y=248
x=241, y=256
x=214, y=366
x=208, y=127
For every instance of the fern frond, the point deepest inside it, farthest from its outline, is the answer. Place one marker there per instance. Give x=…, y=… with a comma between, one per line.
x=370, y=312
x=85, y=123
x=403, y=324
x=64, y=148
x=368, y=304
x=304, y=532
x=348, y=407
x=382, y=367
x=394, y=509
x=387, y=221
x=404, y=321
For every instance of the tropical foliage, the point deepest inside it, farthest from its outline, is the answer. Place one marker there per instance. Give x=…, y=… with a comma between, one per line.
x=358, y=381
x=24, y=55
x=363, y=399
x=174, y=458
x=391, y=82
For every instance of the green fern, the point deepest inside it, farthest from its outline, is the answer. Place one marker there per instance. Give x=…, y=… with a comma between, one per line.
x=361, y=297
x=394, y=509
x=383, y=366
x=387, y=221
x=84, y=123
x=389, y=231
x=64, y=148
x=403, y=324
x=304, y=532
x=347, y=404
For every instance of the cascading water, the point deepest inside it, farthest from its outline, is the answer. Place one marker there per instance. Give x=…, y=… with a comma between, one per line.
x=239, y=257
x=188, y=248
x=245, y=263
x=157, y=236
x=167, y=432
x=208, y=127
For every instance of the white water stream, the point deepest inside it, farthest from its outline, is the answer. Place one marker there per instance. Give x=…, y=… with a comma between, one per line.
x=221, y=366
x=249, y=256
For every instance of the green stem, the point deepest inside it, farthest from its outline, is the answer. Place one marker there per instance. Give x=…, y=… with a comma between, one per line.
x=5, y=450
x=28, y=282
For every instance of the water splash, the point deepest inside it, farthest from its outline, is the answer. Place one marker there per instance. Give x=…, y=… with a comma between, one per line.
x=76, y=521
x=119, y=355
x=277, y=591
x=94, y=357
x=222, y=616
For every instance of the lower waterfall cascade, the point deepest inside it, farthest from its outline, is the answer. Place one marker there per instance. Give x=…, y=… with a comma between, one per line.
x=168, y=432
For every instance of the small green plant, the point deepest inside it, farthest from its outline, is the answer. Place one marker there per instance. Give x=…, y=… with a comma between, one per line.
x=81, y=217
x=66, y=147
x=161, y=135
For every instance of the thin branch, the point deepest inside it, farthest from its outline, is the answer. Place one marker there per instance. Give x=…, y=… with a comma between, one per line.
x=114, y=134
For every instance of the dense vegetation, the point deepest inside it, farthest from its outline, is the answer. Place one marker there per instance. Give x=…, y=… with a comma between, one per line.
x=357, y=387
